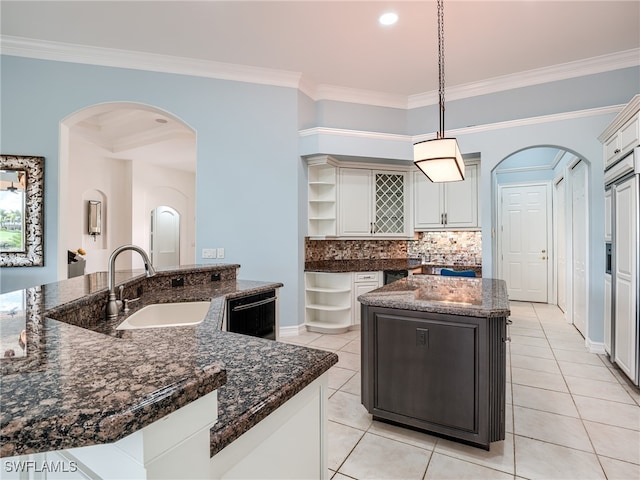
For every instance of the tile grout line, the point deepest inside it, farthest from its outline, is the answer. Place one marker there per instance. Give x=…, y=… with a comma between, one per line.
x=595, y=451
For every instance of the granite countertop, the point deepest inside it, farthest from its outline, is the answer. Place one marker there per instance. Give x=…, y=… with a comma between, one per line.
x=362, y=265
x=76, y=384
x=475, y=297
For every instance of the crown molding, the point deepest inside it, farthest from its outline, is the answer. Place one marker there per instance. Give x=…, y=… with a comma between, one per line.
x=339, y=132
x=625, y=114
x=580, y=68
x=109, y=57
x=556, y=117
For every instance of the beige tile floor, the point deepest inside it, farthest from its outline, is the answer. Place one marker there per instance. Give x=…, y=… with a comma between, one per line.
x=570, y=414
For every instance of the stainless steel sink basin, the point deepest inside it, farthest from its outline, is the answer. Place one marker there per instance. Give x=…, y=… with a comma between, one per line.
x=166, y=315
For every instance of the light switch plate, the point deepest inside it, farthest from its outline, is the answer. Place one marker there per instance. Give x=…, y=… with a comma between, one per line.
x=220, y=252
x=208, y=253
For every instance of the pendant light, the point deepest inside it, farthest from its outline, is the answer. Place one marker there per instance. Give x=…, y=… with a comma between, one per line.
x=440, y=159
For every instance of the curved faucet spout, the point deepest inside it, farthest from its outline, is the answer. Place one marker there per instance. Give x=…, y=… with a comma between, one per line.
x=113, y=306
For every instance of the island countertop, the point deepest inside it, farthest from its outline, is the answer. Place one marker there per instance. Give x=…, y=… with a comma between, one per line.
x=78, y=385
x=475, y=297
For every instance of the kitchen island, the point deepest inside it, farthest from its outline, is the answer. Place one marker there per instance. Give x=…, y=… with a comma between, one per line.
x=78, y=387
x=433, y=356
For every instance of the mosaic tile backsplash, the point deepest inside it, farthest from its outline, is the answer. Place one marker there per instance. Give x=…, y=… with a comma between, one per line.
x=446, y=247
x=451, y=248
x=354, y=249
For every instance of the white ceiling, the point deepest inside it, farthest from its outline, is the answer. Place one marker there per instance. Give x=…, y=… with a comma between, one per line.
x=340, y=45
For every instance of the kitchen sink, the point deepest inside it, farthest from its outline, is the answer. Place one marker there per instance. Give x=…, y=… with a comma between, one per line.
x=166, y=315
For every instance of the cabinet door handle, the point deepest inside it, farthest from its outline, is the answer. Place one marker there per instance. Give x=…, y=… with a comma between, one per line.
x=616, y=151
x=442, y=218
x=370, y=227
x=445, y=218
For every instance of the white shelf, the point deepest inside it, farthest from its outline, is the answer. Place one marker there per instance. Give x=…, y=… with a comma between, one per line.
x=328, y=289
x=323, y=327
x=322, y=198
x=328, y=308
x=328, y=302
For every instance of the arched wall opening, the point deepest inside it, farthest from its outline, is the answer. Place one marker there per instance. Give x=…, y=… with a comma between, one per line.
x=542, y=242
x=137, y=156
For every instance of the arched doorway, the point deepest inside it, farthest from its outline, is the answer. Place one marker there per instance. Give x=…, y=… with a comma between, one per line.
x=131, y=153
x=542, y=239
x=164, y=247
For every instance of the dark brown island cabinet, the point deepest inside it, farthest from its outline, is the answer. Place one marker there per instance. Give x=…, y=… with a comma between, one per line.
x=433, y=356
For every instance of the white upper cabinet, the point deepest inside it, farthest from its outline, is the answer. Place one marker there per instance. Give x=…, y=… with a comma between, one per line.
x=623, y=134
x=372, y=203
x=451, y=205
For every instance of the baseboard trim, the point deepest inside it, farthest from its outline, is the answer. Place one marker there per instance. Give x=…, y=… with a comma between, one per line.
x=595, y=347
x=292, y=331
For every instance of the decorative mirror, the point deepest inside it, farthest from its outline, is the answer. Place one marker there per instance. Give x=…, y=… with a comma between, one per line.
x=21, y=211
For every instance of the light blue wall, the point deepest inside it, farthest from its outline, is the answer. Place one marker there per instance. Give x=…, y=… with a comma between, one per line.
x=248, y=168
x=354, y=116
x=251, y=187
x=592, y=91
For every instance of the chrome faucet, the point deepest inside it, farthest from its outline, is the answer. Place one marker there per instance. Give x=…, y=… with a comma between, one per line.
x=114, y=305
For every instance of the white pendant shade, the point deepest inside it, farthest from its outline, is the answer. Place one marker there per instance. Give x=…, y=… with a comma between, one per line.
x=440, y=159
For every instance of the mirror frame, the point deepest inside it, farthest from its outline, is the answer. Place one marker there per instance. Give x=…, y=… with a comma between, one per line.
x=33, y=255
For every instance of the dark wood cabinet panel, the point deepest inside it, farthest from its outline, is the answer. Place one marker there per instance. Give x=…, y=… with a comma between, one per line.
x=441, y=373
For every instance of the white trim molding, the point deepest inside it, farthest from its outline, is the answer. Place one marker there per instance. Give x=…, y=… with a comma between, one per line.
x=595, y=347
x=580, y=68
x=291, y=331
x=110, y=57
x=557, y=117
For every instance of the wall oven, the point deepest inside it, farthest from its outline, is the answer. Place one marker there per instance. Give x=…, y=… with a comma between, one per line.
x=253, y=315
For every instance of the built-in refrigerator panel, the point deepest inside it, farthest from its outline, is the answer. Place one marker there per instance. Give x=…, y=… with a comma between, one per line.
x=623, y=179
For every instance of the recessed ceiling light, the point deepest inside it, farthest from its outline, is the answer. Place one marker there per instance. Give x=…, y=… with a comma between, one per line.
x=388, y=18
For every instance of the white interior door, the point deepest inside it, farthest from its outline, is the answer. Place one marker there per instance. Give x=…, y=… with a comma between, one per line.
x=625, y=276
x=561, y=246
x=165, y=237
x=523, y=234
x=580, y=247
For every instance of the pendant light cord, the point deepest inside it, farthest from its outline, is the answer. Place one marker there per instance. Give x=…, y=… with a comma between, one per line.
x=441, y=66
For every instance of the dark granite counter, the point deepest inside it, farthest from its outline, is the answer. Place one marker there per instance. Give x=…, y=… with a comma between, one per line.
x=362, y=265
x=475, y=297
x=69, y=379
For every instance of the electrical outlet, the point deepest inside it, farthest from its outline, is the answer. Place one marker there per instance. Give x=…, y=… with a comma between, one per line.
x=208, y=253
x=220, y=252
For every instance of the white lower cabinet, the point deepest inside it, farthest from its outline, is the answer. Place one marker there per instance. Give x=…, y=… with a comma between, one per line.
x=174, y=447
x=363, y=282
x=290, y=443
